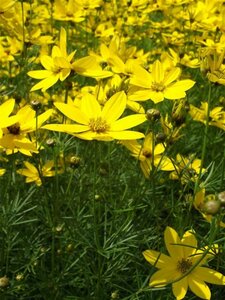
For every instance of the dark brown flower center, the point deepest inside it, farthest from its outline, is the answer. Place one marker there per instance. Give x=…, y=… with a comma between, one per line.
x=184, y=265
x=147, y=153
x=14, y=129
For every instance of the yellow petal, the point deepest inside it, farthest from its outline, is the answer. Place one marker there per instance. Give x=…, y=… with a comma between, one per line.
x=47, y=62
x=156, y=97
x=177, y=90
x=157, y=259
x=114, y=107
x=190, y=243
x=180, y=288
x=173, y=243
x=6, y=108
x=128, y=122
x=90, y=106
x=45, y=83
x=31, y=167
x=172, y=76
x=210, y=276
x=40, y=74
x=69, y=128
x=163, y=277
x=72, y=113
x=141, y=78
x=157, y=72
x=199, y=287
x=62, y=42
x=126, y=135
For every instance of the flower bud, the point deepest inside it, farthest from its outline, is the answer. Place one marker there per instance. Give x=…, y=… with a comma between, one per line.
x=50, y=142
x=36, y=105
x=153, y=114
x=221, y=198
x=160, y=137
x=4, y=282
x=74, y=161
x=211, y=207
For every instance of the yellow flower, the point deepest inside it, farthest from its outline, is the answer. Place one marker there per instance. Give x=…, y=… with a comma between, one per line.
x=67, y=11
x=183, y=268
x=57, y=66
x=149, y=155
x=160, y=84
x=216, y=115
x=34, y=175
x=97, y=123
x=15, y=136
x=186, y=169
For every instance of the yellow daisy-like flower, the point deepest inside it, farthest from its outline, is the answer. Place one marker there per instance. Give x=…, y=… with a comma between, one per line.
x=159, y=84
x=16, y=137
x=59, y=65
x=97, y=123
x=216, y=115
x=183, y=268
x=33, y=174
x=149, y=155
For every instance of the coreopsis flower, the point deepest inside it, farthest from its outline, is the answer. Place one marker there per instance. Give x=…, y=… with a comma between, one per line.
x=67, y=11
x=186, y=168
x=94, y=122
x=160, y=84
x=183, y=267
x=216, y=115
x=34, y=174
x=15, y=136
x=59, y=65
x=149, y=154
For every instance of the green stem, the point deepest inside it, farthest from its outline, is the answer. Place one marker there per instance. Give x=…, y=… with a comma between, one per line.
x=205, y=139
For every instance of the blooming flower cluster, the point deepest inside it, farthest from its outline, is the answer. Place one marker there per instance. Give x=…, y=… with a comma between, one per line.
x=136, y=74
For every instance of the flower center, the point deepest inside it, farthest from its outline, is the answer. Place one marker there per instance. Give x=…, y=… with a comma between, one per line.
x=98, y=125
x=14, y=129
x=157, y=86
x=147, y=153
x=184, y=265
